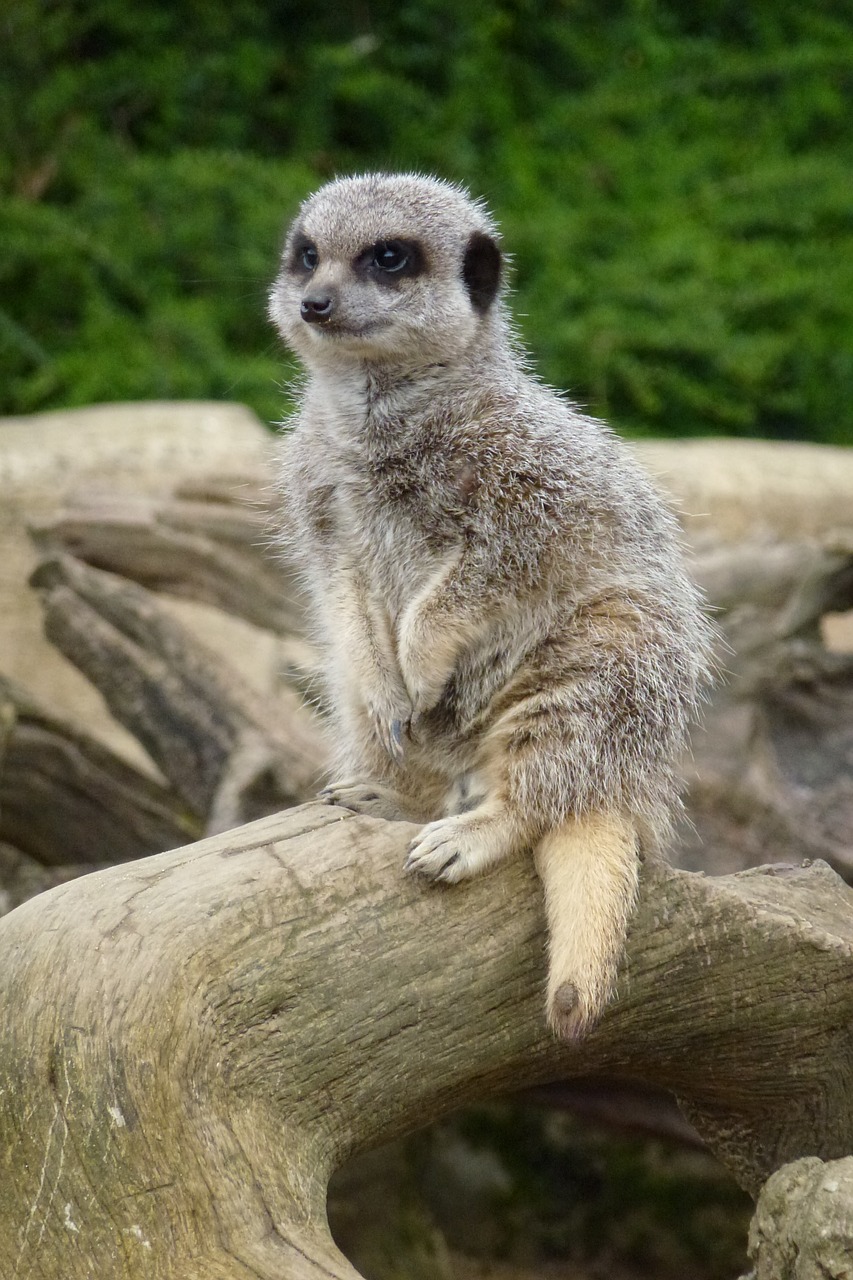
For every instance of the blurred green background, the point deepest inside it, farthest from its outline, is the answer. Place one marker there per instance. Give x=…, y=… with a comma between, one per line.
x=674, y=179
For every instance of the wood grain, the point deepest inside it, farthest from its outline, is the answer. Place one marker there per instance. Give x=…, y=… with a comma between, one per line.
x=248, y=1011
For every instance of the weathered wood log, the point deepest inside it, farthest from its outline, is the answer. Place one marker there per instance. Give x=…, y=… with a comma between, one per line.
x=740, y=490
x=772, y=767
x=23, y=876
x=752, y=551
x=771, y=772
x=203, y=543
x=227, y=753
x=266, y=1002
x=772, y=778
x=65, y=799
x=211, y=542
x=126, y=449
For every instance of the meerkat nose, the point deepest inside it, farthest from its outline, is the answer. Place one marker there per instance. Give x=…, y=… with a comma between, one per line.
x=316, y=308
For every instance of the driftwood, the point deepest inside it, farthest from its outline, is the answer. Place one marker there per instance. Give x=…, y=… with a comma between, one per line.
x=264, y=1002
x=269, y=1000
x=219, y=745
x=203, y=543
x=773, y=763
x=126, y=451
x=782, y=704
x=62, y=794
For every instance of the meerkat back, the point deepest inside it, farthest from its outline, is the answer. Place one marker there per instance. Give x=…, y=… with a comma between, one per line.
x=512, y=647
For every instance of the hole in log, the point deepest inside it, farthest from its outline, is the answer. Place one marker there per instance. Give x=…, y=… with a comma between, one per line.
x=585, y=1179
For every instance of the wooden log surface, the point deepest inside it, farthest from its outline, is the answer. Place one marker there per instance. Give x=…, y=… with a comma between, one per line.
x=771, y=771
x=127, y=450
x=212, y=737
x=259, y=1005
x=65, y=799
x=204, y=542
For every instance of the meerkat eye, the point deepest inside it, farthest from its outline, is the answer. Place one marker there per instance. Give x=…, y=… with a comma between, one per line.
x=302, y=254
x=390, y=256
x=388, y=261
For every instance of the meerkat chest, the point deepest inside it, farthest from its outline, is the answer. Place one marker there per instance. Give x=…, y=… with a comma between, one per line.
x=397, y=525
x=390, y=498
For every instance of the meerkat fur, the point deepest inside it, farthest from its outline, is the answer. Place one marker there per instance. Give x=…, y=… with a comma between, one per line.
x=511, y=645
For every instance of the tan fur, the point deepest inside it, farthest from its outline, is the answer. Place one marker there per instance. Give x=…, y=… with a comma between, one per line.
x=588, y=868
x=511, y=645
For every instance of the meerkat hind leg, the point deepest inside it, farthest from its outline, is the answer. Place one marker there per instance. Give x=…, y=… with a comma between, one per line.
x=589, y=870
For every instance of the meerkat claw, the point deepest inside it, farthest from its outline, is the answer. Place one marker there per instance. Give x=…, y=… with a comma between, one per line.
x=437, y=854
x=390, y=734
x=396, y=748
x=432, y=866
x=373, y=799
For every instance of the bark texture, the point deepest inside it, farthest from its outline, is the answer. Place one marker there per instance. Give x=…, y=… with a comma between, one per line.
x=221, y=746
x=125, y=451
x=63, y=794
x=264, y=1002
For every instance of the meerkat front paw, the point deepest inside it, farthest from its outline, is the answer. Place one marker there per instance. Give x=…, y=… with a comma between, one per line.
x=364, y=796
x=451, y=849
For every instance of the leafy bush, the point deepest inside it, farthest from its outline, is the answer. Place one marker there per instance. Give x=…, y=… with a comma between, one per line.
x=673, y=182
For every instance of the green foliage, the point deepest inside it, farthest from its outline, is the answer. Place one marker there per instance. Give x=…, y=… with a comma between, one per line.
x=151, y=283
x=541, y=1193
x=605, y=1201
x=673, y=181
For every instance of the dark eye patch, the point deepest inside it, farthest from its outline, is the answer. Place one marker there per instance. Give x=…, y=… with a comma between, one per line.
x=303, y=255
x=387, y=261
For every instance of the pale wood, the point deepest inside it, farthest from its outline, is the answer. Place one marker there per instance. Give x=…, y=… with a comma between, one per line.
x=22, y=876
x=150, y=448
x=66, y=799
x=195, y=1041
x=782, y=702
x=206, y=545
x=215, y=739
x=738, y=490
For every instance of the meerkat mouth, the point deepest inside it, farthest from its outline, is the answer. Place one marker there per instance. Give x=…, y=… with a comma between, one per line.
x=359, y=341
x=339, y=329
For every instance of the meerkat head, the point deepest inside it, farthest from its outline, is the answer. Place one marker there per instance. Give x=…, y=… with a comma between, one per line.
x=389, y=269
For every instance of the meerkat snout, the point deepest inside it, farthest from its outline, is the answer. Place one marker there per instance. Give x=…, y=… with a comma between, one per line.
x=316, y=309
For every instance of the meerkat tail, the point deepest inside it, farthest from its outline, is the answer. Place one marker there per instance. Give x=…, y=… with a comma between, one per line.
x=589, y=871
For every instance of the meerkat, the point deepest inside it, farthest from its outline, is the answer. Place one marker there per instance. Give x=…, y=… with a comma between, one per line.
x=512, y=647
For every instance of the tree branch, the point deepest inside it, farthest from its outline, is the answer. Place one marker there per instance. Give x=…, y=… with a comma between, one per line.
x=259, y=1005
x=202, y=543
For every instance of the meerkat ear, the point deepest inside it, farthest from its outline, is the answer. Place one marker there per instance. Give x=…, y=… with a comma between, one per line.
x=481, y=270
